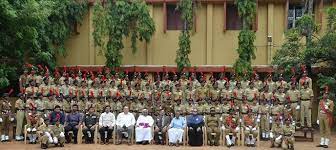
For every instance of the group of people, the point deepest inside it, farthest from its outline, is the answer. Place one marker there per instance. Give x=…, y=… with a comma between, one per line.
x=172, y=106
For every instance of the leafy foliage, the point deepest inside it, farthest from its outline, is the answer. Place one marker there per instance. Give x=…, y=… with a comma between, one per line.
x=290, y=53
x=246, y=38
x=182, y=53
x=35, y=31
x=115, y=20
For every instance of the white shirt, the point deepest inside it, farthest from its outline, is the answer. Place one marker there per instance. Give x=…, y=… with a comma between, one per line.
x=125, y=119
x=107, y=119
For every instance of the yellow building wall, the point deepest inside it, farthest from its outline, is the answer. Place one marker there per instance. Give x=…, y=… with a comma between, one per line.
x=210, y=45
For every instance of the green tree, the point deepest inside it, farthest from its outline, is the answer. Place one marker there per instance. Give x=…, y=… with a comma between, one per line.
x=182, y=53
x=246, y=38
x=116, y=20
x=34, y=31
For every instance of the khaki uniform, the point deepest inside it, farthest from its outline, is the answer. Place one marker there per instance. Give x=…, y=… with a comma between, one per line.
x=306, y=95
x=43, y=130
x=66, y=106
x=231, y=128
x=276, y=111
x=306, y=79
x=281, y=97
x=32, y=90
x=281, y=83
x=6, y=115
x=244, y=84
x=44, y=89
x=250, y=126
x=221, y=84
x=238, y=95
x=214, y=94
x=264, y=122
x=325, y=116
x=20, y=115
x=288, y=136
x=32, y=119
x=251, y=94
x=226, y=93
x=201, y=93
x=213, y=132
x=294, y=96
x=225, y=110
x=39, y=107
x=58, y=132
x=276, y=132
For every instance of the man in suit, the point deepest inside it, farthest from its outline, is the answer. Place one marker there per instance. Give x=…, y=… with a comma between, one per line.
x=161, y=123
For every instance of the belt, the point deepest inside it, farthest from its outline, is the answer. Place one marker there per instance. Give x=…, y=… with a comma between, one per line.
x=293, y=101
x=263, y=113
x=305, y=100
x=40, y=110
x=20, y=110
x=49, y=109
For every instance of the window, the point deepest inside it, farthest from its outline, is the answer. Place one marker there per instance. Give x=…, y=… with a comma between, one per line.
x=295, y=12
x=174, y=21
x=233, y=21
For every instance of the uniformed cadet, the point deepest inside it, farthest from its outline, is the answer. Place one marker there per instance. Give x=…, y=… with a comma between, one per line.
x=276, y=134
x=20, y=116
x=32, y=89
x=231, y=128
x=293, y=96
x=48, y=105
x=306, y=104
x=67, y=104
x=39, y=104
x=226, y=93
x=212, y=124
x=306, y=79
x=32, y=119
x=276, y=111
x=214, y=93
x=264, y=116
x=251, y=93
x=6, y=117
x=233, y=82
x=267, y=94
x=271, y=84
x=280, y=95
x=250, y=126
x=288, y=135
x=90, y=121
x=225, y=108
x=23, y=81
x=222, y=81
x=45, y=135
x=238, y=93
x=281, y=82
x=58, y=134
x=100, y=104
x=324, y=119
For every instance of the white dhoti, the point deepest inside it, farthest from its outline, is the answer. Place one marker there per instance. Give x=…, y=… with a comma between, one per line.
x=175, y=134
x=143, y=134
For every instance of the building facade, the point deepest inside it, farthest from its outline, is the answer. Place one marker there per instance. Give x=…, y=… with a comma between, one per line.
x=215, y=35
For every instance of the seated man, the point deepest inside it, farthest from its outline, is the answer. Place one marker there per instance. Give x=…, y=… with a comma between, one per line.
x=212, y=124
x=143, y=132
x=32, y=119
x=125, y=125
x=276, y=133
x=58, y=134
x=288, y=133
x=231, y=127
x=106, y=124
x=160, y=127
x=250, y=128
x=56, y=115
x=89, y=125
x=195, y=133
x=72, y=122
x=176, y=129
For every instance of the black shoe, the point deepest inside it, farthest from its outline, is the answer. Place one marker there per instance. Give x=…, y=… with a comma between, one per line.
x=319, y=145
x=325, y=146
x=61, y=145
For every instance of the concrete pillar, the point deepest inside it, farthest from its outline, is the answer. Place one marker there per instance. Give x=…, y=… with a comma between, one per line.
x=149, y=59
x=270, y=31
x=92, y=48
x=209, y=34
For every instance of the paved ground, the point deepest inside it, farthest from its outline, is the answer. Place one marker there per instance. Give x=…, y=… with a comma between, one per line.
x=263, y=146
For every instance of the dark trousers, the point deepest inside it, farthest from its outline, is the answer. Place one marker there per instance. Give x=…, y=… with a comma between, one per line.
x=160, y=137
x=68, y=128
x=88, y=134
x=105, y=133
x=195, y=137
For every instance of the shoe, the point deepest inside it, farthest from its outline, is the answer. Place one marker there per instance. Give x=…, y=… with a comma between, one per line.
x=320, y=145
x=325, y=146
x=61, y=145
